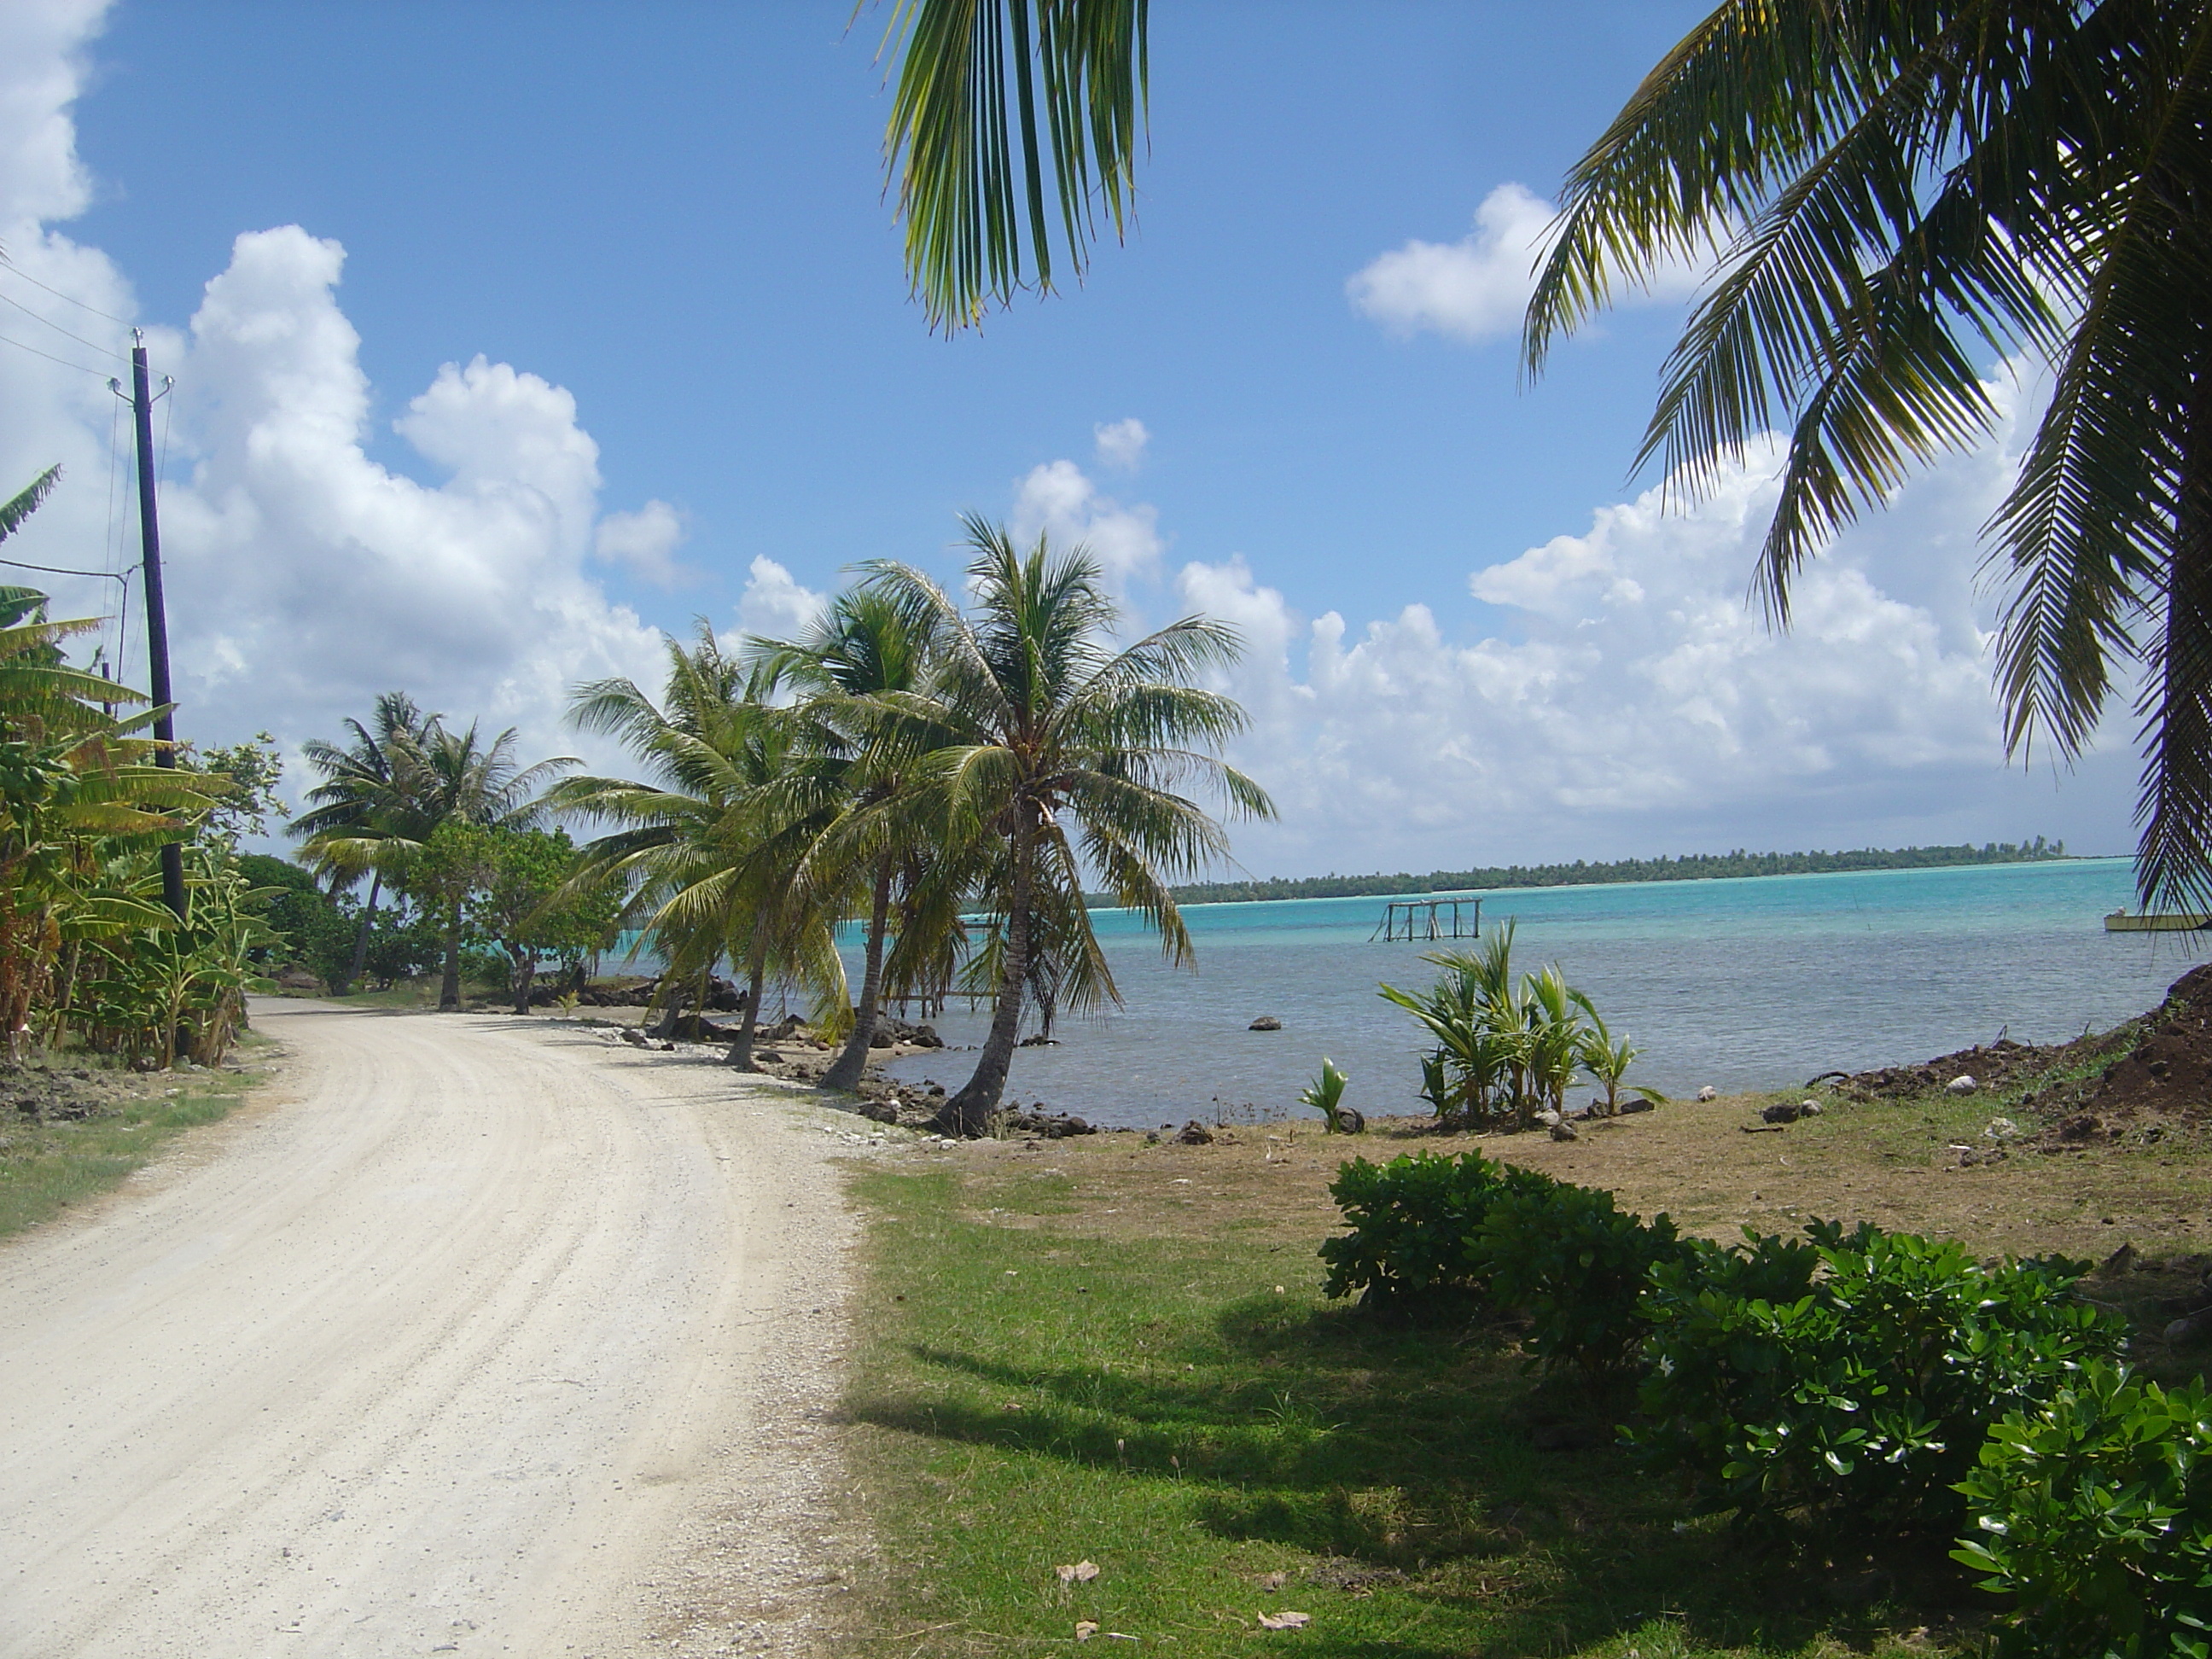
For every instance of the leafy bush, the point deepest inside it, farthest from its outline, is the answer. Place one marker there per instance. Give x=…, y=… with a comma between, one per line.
x=316, y=930
x=2095, y=1510
x=400, y=946
x=1857, y=1377
x=1413, y=1224
x=1578, y=1268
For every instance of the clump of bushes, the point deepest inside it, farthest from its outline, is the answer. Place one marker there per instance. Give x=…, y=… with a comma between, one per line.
x=1414, y=1223
x=2094, y=1508
x=1839, y=1376
x=1508, y=1240
x=1575, y=1267
x=1855, y=1375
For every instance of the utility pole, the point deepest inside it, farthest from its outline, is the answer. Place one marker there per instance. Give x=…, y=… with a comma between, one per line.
x=157, y=616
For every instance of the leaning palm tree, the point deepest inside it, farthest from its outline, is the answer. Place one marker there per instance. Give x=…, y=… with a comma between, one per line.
x=865, y=647
x=711, y=849
x=357, y=788
x=1069, y=755
x=1895, y=191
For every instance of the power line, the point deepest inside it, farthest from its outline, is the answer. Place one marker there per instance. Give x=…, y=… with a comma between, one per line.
x=14, y=270
x=96, y=374
x=57, y=570
x=59, y=329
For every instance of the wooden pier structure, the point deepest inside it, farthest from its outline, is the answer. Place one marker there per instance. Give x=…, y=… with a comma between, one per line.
x=1424, y=920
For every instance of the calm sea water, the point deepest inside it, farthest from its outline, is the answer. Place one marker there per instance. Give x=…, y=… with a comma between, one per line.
x=1754, y=983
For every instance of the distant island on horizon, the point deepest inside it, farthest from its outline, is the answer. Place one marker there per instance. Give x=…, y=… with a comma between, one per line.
x=1689, y=866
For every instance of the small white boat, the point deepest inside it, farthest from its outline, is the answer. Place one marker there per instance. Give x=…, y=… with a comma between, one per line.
x=2170, y=922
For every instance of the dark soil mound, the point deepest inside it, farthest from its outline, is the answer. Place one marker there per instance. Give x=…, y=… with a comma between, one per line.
x=2102, y=1088
x=2160, y=1067
x=1998, y=1066
x=42, y=1093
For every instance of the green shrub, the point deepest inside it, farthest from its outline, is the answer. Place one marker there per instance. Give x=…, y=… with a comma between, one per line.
x=2095, y=1508
x=1578, y=1268
x=1856, y=1378
x=1413, y=1224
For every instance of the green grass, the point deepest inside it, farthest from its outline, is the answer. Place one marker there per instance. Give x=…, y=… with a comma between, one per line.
x=46, y=1167
x=1043, y=1380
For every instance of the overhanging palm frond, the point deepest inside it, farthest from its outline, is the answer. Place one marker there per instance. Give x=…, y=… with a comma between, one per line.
x=987, y=90
x=1899, y=189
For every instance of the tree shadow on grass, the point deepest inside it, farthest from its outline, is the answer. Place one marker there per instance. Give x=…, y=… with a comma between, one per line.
x=1416, y=1460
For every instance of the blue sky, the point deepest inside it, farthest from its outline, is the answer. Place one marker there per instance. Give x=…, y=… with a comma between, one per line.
x=675, y=212
x=1471, y=640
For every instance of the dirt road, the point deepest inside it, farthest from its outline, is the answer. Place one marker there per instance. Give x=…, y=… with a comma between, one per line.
x=468, y=1336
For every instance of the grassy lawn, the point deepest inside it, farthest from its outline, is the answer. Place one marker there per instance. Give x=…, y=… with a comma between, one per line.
x=46, y=1167
x=1106, y=1351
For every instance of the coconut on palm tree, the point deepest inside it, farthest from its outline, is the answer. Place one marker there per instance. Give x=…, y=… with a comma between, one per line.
x=1071, y=756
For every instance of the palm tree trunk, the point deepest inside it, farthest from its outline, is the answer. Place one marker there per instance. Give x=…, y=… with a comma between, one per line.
x=361, y=935
x=741, y=1051
x=969, y=1113
x=2174, y=862
x=449, y=984
x=845, y=1071
x=526, y=974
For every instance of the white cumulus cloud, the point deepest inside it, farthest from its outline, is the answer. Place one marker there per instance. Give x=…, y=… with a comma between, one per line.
x=774, y=605
x=1478, y=287
x=1059, y=500
x=304, y=577
x=644, y=543
x=1121, y=443
x=1628, y=699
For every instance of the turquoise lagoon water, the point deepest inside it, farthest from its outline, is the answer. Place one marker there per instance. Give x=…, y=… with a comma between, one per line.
x=1754, y=983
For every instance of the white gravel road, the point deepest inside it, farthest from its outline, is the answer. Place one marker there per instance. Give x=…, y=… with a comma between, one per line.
x=468, y=1335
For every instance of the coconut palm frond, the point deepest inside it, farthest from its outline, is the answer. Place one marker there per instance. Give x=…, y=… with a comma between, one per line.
x=990, y=97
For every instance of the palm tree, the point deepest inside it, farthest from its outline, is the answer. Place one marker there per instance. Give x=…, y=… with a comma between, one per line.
x=1051, y=730
x=436, y=775
x=1606, y=1057
x=865, y=646
x=356, y=786
x=1892, y=192
x=712, y=848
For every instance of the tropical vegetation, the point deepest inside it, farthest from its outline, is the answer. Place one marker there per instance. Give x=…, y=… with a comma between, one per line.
x=89, y=953
x=397, y=807
x=1508, y=1048
x=1688, y=866
x=947, y=775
